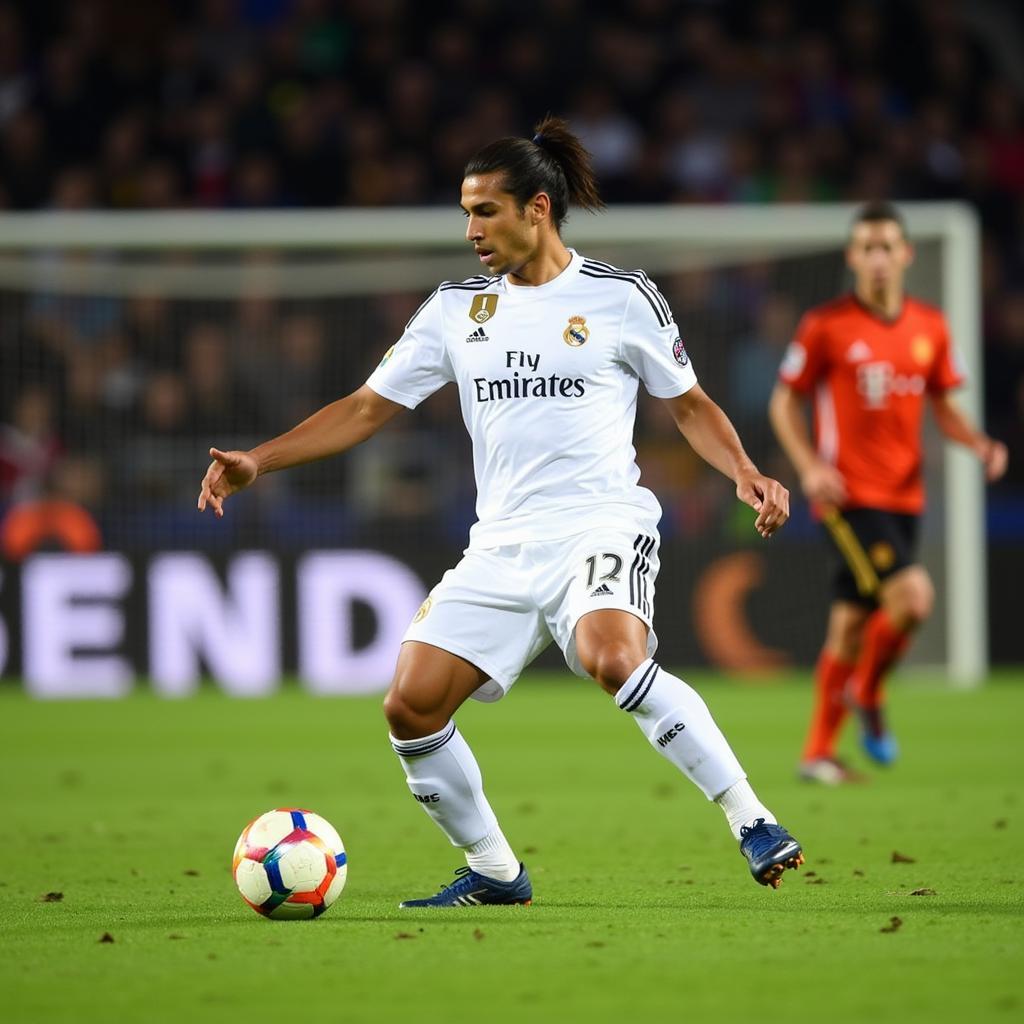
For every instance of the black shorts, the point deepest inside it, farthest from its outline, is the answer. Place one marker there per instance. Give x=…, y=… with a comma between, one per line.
x=868, y=545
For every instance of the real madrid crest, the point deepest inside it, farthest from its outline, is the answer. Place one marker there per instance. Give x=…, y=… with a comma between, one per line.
x=577, y=332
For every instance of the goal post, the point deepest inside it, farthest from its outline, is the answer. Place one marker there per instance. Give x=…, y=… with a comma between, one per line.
x=356, y=252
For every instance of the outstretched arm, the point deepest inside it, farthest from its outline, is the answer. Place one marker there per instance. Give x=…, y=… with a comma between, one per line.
x=819, y=480
x=713, y=437
x=333, y=429
x=953, y=422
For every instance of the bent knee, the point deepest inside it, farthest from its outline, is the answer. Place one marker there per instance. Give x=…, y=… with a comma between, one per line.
x=611, y=664
x=919, y=607
x=911, y=600
x=396, y=711
x=411, y=718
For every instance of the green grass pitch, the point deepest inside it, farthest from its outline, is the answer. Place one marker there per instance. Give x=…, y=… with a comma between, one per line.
x=643, y=908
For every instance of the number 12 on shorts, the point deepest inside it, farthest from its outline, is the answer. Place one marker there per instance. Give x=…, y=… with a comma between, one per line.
x=612, y=574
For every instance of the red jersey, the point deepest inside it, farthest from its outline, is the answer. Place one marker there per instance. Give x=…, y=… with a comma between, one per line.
x=869, y=377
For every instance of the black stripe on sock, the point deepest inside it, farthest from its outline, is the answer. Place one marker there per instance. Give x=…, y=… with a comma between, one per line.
x=652, y=668
x=425, y=748
x=646, y=690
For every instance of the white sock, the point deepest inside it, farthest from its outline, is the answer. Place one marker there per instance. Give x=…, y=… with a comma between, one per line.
x=679, y=726
x=742, y=808
x=445, y=779
x=493, y=857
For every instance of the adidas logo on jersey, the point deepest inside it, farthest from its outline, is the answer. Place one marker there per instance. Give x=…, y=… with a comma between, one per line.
x=477, y=335
x=858, y=352
x=602, y=591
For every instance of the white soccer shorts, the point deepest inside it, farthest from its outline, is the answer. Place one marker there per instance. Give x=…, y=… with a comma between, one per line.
x=500, y=607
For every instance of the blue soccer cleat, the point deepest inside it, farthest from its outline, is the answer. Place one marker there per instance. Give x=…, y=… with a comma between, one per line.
x=769, y=850
x=471, y=889
x=878, y=743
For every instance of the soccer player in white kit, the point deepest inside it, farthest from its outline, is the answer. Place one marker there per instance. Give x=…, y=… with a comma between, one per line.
x=547, y=351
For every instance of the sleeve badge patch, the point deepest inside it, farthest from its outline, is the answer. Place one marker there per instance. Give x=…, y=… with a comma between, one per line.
x=679, y=352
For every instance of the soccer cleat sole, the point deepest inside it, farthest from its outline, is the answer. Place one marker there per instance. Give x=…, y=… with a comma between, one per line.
x=773, y=876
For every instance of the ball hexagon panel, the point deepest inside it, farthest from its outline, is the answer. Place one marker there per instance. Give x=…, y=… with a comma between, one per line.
x=303, y=864
x=270, y=828
x=323, y=829
x=251, y=879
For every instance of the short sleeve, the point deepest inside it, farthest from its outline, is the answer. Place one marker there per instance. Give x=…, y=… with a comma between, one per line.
x=947, y=372
x=804, y=360
x=651, y=344
x=417, y=364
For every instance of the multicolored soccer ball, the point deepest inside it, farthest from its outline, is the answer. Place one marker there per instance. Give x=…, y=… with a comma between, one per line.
x=289, y=863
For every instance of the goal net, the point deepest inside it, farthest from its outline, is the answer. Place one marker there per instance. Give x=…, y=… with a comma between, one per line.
x=130, y=343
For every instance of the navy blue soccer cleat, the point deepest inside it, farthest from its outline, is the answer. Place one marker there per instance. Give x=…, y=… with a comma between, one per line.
x=878, y=743
x=769, y=850
x=471, y=889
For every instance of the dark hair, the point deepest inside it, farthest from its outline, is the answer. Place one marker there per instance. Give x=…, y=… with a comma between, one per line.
x=878, y=210
x=553, y=161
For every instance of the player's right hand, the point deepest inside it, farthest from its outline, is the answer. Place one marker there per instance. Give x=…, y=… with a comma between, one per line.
x=824, y=484
x=229, y=472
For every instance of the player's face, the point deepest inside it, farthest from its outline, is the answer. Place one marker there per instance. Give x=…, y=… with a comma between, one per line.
x=504, y=236
x=878, y=255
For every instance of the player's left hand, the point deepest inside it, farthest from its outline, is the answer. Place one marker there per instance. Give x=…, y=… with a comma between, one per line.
x=994, y=457
x=768, y=498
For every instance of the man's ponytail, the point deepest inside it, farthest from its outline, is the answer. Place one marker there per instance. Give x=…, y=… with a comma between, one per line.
x=553, y=161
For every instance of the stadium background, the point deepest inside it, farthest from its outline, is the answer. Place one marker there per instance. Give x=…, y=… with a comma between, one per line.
x=110, y=402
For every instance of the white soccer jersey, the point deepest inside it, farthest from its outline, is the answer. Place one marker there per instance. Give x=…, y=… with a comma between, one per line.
x=548, y=379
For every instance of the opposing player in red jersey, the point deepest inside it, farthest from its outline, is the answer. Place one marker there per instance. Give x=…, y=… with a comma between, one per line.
x=870, y=359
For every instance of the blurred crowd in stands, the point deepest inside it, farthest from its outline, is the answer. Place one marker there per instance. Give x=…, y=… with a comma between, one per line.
x=248, y=104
